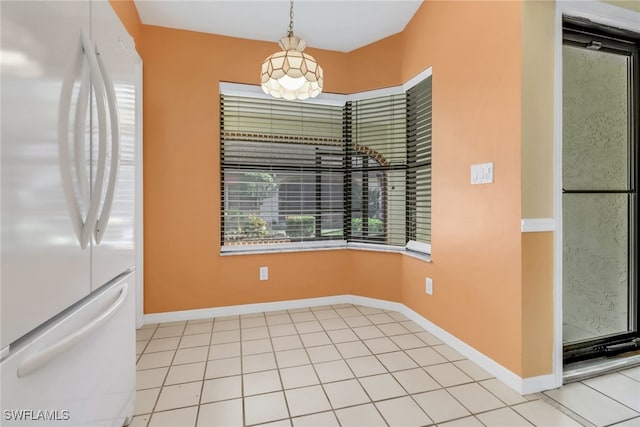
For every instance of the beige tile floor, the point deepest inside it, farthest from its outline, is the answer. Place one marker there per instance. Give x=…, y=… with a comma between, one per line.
x=345, y=365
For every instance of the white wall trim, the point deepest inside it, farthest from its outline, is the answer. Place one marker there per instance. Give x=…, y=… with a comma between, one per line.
x=326, y=246
x=537, y=384
x=536, y=225
x=232, y=310
x=601, y=13
x=558, y=367
x=521, y=385
x=486, y=363
x=368, y=94
x=417, y=78
x=424, y=248
x=325, y=98
x=254, y=91
x=283, y=247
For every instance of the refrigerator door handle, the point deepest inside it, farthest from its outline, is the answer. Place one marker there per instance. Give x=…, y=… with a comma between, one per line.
x=82, y=226
x=99, y=90
x=79, y=137
x=112, y=102
x=35, y=361
x=63, y=143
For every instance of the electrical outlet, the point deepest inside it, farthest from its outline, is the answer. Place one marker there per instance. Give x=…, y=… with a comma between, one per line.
x=264, y=273
x=428, y=286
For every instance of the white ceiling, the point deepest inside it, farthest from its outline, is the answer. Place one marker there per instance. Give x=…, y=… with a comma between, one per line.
x=341, y=25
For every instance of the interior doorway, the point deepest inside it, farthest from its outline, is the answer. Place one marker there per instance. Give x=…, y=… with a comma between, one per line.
x=599, y=190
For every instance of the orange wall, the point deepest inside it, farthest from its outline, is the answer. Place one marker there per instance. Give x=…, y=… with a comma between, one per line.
x=476, y=229
x=375, y=66
x=476, y=118
x=537, y=313
x=183, y=266
x=128, y=14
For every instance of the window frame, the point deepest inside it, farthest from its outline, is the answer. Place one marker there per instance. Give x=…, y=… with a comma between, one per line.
x=414, y=244
x=421, y=250
x=300, y=146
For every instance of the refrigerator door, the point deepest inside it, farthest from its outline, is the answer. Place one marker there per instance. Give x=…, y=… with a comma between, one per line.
x=79, y=371
x=43, y=269
x=113, y=237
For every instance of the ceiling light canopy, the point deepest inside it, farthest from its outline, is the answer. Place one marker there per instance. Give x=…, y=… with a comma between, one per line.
x=291, y=73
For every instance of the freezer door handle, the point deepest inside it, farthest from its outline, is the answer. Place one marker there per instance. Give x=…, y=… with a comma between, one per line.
x=35, y=361
x=112, y=102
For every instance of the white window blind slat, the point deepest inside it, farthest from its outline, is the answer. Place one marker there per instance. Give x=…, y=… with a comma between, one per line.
x=299, y=172
x=282, y=171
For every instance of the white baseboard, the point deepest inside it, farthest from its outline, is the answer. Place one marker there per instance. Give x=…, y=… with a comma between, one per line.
x=517, y=383
x=485, y=362
x=375, y=303
x=521, y=385
x=232, y=310
x=537, y=384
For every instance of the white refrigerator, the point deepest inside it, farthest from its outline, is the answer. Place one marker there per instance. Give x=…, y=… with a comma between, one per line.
x=68, y=196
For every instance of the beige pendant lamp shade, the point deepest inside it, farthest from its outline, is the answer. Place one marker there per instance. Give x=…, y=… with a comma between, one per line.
x=291, y=73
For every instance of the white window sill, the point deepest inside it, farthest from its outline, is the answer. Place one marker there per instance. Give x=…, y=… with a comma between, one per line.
x=321, y=246
x=418, y=255
x=282, y=247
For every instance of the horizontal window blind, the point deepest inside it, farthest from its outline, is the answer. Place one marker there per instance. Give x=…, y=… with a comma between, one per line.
x=377, y=162
x=299, y=172
x=282, y=169
x=419, y=162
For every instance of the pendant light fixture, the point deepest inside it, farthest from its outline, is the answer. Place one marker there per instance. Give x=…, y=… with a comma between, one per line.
x=290, y=73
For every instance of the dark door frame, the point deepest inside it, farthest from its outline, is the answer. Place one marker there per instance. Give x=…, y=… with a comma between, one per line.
x=584, y=33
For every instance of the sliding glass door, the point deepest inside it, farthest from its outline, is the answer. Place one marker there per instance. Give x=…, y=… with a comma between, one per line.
x=599, y=180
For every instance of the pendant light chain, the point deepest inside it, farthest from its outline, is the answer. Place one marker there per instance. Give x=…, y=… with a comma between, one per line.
x=290, y=33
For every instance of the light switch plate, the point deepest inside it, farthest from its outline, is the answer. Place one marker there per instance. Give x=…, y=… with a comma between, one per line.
x=482, y=173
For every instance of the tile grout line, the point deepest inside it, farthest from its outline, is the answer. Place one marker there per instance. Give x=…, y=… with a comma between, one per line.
x=298, y=334
x=153, y=409
x=611, y=397
x=324, y=391
x=344, y=359
x=419, y=366
x=442, y=387
x=388, y=373
x=391, y=374
x=204, y=373
x=273, y=349
x=371, y=401
x=565, y=410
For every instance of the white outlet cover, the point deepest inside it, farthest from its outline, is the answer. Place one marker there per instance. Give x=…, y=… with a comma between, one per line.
x=264, y=273
x=429, y=286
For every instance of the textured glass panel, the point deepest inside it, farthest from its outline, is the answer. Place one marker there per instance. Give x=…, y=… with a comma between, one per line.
x=594, y=120
x=595, y=263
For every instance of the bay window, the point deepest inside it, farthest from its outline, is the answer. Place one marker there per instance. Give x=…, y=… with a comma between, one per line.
x=308, y=174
